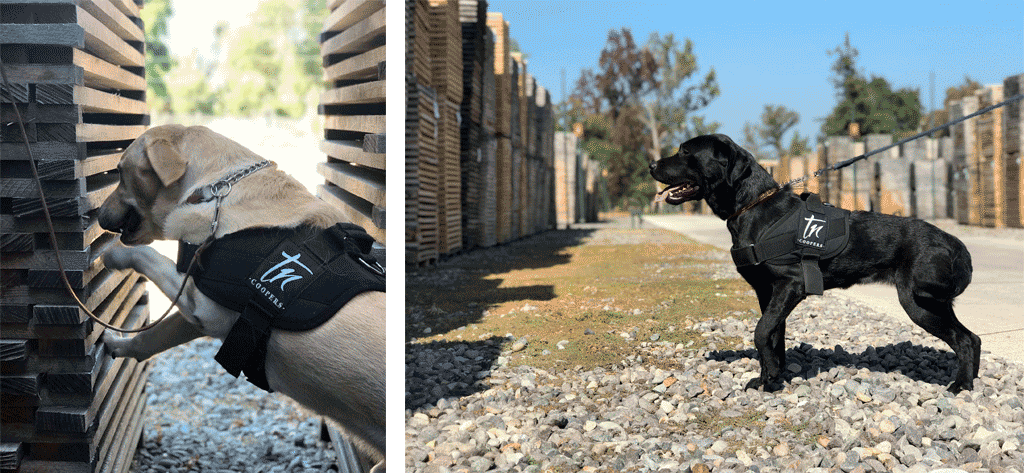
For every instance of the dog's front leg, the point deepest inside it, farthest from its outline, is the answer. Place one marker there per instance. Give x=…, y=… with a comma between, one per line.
x=170, y=332
x=770, y=334
x=156, y=267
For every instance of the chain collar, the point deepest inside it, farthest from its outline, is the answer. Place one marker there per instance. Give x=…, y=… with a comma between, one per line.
x=219, y=190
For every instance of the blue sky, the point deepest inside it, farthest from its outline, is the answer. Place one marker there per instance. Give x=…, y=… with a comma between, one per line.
x=764, y=53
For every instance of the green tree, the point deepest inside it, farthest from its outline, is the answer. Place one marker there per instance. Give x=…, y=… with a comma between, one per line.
x=273, y=63
x=634, y=106
x=767, y=138
x=159, y=62
x=189, y=87
x=872, y=104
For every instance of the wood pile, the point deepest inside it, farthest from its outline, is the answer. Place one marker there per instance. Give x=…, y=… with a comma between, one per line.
x=473, y=17
x=76, y=72
x=967, y=190
x=421, y=137
x=502, y=125
x=1013, y=137
x=489, y=149
x=989, y=144
x=516, y=174
x=446, y=78
x=352, y=46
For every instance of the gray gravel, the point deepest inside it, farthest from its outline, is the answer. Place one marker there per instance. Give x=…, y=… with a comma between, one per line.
x=864, y=394
x=200, y=418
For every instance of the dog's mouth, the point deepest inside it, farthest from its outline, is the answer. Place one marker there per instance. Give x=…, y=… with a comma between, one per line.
x=680, y=193
x=129, y=225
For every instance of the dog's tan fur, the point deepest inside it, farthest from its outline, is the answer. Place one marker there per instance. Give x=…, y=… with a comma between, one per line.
x=336, y=369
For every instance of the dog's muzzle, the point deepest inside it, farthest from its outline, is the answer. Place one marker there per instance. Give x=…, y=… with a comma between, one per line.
x=127, y=226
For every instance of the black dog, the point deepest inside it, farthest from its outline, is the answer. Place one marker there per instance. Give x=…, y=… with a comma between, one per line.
x=929, y=267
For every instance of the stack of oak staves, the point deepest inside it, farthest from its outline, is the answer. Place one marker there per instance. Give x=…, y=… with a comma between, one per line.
x=515, y=118
x=446, y=78
x=76, y=75
x=1013, y=139
x=502, y=125
x=421, y=139
x=473, y=16
x=353, y=51
x=990, y=158
x=487, y=208
x=967, y=188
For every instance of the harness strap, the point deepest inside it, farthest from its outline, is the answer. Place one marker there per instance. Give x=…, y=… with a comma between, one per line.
x=245, y=348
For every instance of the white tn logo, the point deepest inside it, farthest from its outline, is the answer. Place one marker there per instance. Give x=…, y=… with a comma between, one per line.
x=285, y=273
x=811, y=228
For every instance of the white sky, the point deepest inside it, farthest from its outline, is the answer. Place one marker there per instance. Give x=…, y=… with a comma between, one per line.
x=191, y=25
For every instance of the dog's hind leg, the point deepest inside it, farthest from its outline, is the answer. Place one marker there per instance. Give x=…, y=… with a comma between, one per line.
x=770, y=334
x=937, y=317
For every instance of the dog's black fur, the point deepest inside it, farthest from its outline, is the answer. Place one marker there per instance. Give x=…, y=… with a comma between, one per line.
x=929, y=267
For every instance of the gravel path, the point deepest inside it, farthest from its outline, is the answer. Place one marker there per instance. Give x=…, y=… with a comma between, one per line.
x=200, y=418
x=864, y=394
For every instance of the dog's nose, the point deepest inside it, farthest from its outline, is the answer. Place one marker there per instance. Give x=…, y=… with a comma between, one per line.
x=654, y=165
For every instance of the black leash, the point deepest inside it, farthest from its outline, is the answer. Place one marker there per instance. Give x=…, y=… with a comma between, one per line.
x=854, y=159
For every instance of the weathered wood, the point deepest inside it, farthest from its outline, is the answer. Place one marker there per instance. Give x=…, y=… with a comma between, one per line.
x=355, y=209
x=365, y=183
x=59, y=34
x=358, y=123
x=16, y=242
x=350, y=12
x=24, y=187
x=360, y=66
x=50, y=150
x=116, y=20
x=353, y=152
x=367, y=92
x=13, y=350
x=366, y=34
x=11, y=454
x=102, y=74
x=104, y=43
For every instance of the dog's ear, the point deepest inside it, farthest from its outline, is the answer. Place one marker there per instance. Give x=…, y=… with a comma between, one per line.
x=165, y=156
x=739, y=160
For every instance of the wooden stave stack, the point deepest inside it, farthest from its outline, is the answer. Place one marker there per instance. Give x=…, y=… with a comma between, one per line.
x=489, y=147
x=502, y=125
x=990, y=158
x=421, y=136
x=472, y=16
x=353, y=50
x=1013, y=138
x=77, y=73
x=446, y=78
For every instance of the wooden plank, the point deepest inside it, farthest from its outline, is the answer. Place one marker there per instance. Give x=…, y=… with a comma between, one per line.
x=356, y=210
x=11, y=454
x=116, y=20
x=97, y=132
x=96, y=101
x=127, y=7
x=105, y=44
x=54, y=34
x=359, y=38
x=360, y=66
x=352, y=152
x=51, y=150
x=369, y=92
x=102, y=74
x=350, y=12
x=359, y=123
x=361, y=182
x=43, y=73
x=124, y=441
x=13, y=350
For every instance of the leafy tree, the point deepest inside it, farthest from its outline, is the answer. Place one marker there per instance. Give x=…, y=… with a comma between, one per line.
x=872, y=104
x=158, y=59
x=633, y=104
x=189, y=87
x=767, y=138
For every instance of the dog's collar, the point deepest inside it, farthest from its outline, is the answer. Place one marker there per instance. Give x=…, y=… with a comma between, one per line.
x=761, y=198
x=221, y=188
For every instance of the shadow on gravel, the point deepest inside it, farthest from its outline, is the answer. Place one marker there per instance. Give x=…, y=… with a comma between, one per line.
x=916, y=362
x=460, y=289
x=440, y=370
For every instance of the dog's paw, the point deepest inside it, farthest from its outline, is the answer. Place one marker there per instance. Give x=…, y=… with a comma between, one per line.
x=958, y=386
x=118, y=257
x=754, y=384
x=769, y=386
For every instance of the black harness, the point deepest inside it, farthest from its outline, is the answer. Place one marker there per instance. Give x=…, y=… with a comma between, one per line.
x=290, y=279
x=808, y=234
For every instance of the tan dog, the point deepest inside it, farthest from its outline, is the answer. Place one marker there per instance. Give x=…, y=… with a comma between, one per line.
x=336, y=369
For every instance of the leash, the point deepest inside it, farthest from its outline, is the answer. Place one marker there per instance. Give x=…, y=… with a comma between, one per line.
x=219, y=190
x=843, y=164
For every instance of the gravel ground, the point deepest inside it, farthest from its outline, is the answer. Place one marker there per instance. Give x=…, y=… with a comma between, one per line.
x=864, y=394
x=200, y=418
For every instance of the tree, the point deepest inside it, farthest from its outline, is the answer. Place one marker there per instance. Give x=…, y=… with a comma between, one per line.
x=158, y=59
x=634, y=104
x=767, y=138
x=872, y=104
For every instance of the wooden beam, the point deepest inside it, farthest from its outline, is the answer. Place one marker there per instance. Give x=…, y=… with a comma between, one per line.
x=359, y=38
x=360, y=66
x=103, y=42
